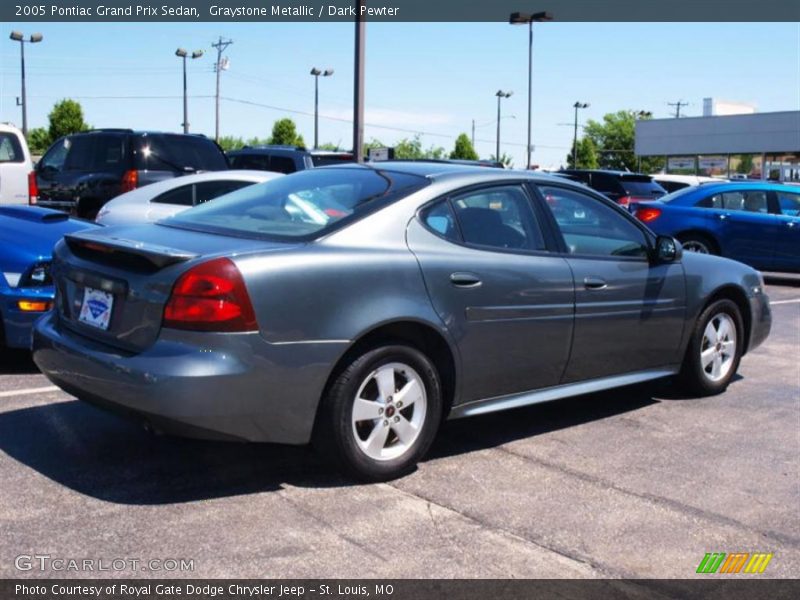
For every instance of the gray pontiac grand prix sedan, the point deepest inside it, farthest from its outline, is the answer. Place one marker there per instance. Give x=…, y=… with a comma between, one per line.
x=401, y=295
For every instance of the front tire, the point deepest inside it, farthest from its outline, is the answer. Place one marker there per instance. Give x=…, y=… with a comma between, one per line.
x=696, y=242
x=381, y=414
x=714, y=351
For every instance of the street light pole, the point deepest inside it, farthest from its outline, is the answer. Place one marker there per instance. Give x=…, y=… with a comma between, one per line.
x=358, y=86
x=576, y=106
x=183, y=54
x=316, y=73
x=18, y=37
x=518, y=18
x=500, y=95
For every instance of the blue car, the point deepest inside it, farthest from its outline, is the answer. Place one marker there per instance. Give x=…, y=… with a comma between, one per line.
x=27, y=237
x=755, y=223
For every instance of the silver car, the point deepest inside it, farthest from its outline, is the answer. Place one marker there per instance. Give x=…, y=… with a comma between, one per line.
x=166, y=198
x=429, y=291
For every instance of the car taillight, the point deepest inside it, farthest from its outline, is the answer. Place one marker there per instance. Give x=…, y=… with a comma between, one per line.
x=647, y=215
x=130, y=180
x=33, y=188
x=210, y=297
x=624, y=200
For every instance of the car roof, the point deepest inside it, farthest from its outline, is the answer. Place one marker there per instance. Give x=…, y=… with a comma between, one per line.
x=447, y=170
x=723, y=185
x=614, y=172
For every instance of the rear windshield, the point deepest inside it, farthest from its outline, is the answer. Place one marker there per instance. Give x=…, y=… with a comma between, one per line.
x=678, y=194
x=641, y=185
x=182, y=153
x=320, y=160
x=301, y=206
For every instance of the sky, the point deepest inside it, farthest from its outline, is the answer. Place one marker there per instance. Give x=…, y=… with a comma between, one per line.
x=428, y=78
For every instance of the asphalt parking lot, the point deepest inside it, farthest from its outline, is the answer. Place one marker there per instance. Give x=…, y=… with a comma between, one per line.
x=635, y=483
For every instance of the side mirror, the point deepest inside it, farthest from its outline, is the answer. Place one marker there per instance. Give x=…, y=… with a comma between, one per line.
x=668, y=249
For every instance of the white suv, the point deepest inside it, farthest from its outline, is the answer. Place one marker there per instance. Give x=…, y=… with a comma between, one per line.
x=15, y=166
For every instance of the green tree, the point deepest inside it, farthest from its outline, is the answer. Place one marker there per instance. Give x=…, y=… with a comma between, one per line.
x=65, y=118
x=586, y=156
x=284, y=133
x=39, y=140
x=229, y=142
x=506, y=159
x=613, y=140
x=463, y=148
x=412, y=150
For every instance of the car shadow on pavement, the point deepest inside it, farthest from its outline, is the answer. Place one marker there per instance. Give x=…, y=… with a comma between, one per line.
x=102, y=456
x=16, y=362
x=495, y=429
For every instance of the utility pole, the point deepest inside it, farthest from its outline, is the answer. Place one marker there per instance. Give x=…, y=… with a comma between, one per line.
x=678, y=105
x=576, y=106
x=221, y=44
x=473, y=133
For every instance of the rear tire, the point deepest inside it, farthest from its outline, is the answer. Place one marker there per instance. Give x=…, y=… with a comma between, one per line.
x=697, y=242
x=381, y=414
x=714, y=350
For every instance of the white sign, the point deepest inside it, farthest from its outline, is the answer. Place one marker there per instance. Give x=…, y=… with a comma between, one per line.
x=713, y=162
x=681, y=162
x=380, y=154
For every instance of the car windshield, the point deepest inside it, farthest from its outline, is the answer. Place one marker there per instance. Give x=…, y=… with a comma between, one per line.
x=300, y=206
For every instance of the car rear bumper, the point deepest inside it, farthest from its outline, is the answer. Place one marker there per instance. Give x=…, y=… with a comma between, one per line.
x=210, y=386
x=17, y=323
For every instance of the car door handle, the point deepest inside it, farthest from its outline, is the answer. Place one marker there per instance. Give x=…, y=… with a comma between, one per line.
x=594, y=283
x=791, y=224
x=465, y=280
x=722, y=217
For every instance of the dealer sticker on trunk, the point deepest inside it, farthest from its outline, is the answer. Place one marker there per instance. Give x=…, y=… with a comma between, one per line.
x=96, y=308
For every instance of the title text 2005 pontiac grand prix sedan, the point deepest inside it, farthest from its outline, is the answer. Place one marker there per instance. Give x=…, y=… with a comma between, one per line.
x=429, y=291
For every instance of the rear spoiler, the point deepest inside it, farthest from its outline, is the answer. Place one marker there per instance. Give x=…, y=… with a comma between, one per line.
x=159, y=256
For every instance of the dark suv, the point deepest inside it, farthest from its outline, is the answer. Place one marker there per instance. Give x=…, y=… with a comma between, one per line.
x=621, y=186
x=79, y=173
x=284, y=159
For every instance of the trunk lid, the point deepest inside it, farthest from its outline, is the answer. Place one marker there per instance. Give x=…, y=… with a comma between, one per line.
x=112, y=284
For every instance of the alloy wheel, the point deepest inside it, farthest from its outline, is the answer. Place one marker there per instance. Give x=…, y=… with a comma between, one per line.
x=718, y=348
x=389, y=411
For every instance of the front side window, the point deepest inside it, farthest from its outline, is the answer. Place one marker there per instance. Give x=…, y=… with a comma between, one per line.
x=499, y=217
x=10, y=148
x=590, y=227
x=300, y=206
x=97, y=152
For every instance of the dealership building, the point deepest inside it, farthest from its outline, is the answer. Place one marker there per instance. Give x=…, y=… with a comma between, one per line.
x=752, y=145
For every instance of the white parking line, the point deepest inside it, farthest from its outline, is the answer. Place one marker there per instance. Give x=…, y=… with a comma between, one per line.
x=785, y=301
x=26, y=391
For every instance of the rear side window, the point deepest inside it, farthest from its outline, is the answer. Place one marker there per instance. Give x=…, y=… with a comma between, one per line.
x=54, y=158
x=97, y=152
x=282, y=164
x=257, y=162
x=441, y=219
x=181, y=153
x=182, y=196
x=10, y=148
x=641, y=186
x=208, y=190
x=789, y=204
x=298, y=207
x=742, y=201
x=498, y=217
